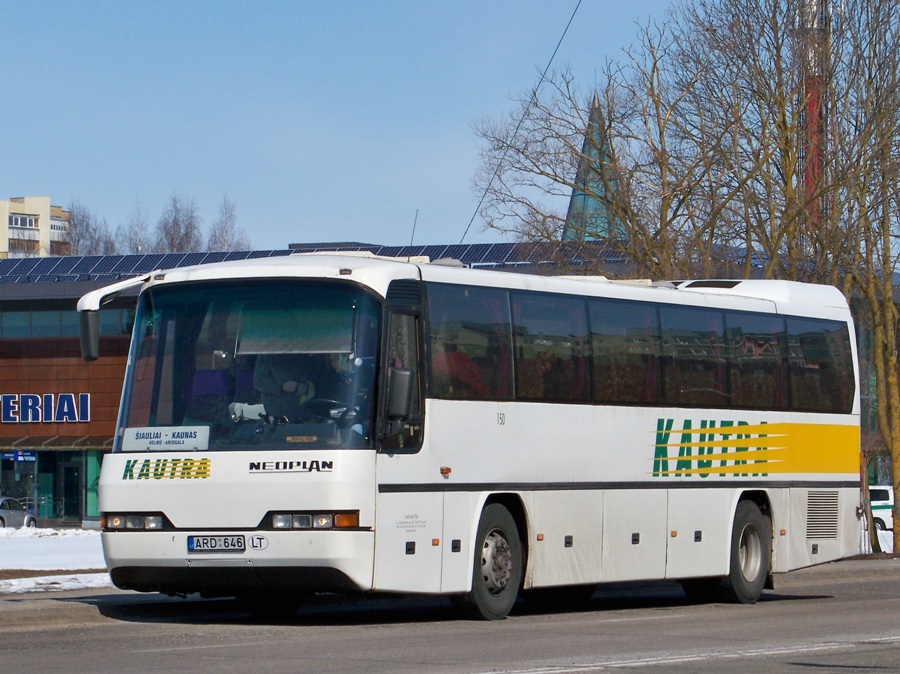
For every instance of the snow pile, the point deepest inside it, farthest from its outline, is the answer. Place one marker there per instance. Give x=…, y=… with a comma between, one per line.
x=78, y=581
x=52, y=549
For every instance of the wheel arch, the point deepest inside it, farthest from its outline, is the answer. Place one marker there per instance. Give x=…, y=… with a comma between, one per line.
x=761, y=498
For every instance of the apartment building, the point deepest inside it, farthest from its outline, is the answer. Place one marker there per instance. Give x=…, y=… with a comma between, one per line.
x=33, y=227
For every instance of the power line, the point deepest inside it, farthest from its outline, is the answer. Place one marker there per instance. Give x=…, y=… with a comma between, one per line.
x=521, y=121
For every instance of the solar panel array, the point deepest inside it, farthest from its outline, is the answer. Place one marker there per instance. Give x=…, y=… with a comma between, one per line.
x=483, y=255
x=108, y=267
x=498, y=255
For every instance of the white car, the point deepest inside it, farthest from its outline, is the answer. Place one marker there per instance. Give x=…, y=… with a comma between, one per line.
x=882, y=499
x=15, y=514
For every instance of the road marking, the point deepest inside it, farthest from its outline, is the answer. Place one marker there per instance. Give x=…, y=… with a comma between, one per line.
x=200, y=647
x=695, y=657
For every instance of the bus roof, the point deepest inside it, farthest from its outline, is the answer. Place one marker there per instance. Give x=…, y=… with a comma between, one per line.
x=377, y=273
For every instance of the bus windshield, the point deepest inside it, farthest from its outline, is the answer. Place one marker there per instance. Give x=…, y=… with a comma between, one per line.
x=268, y=364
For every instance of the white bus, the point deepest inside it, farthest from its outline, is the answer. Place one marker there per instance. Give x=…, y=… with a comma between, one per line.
x=333, y=423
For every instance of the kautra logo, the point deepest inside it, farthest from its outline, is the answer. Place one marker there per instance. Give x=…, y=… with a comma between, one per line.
x=713, y=447
x=709, y=447
x=166, y=469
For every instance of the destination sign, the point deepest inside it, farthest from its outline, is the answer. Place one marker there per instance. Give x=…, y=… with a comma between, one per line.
x=165, y=439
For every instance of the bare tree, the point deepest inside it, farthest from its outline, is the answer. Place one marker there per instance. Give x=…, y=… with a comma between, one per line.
x=869, y=125
x=89, y=234
x=135, y=236
x=677, y=161
x=225, y=235
x=745, y=136
x=178, y=229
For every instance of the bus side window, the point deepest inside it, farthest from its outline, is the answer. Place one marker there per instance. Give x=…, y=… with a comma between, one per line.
x=694, y=356
x=820, y=363
x=469, y=343
x=625, y=346
x=756, y=361
x=551, y=345
x=403, y=354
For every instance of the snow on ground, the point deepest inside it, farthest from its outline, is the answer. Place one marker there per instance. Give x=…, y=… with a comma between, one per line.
x=886, y=540
x=52, y=549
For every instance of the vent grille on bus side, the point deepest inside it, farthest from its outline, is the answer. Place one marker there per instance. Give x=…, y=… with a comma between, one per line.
x=822, y=514
x=405, y=293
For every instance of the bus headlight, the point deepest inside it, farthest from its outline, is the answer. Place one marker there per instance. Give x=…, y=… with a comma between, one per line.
x=153, y=522
x=114, y=522
x=324, y=521
x=302, y=521
x=281, y=521
x=134, y=521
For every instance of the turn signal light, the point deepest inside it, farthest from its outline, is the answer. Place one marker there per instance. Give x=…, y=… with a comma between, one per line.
x=346, y=520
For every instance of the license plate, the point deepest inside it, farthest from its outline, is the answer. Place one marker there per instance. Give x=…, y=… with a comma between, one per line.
x=216, y=544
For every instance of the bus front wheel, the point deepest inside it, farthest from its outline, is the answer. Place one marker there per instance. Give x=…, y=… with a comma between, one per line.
x=751, y=554
x=498, y=567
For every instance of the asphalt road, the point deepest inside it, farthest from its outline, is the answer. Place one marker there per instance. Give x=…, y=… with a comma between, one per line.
x=837, y=617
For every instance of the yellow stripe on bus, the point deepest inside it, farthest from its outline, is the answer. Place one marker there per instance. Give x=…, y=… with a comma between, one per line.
x=762, y=448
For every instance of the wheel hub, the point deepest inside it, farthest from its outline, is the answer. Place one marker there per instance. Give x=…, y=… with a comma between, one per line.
x=495, y=562
x=750, y=553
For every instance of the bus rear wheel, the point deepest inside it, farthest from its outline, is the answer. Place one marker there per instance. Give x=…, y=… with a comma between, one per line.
x=497, y=574
x=751, y=555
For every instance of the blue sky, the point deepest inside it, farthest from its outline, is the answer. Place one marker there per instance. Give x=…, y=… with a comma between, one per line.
x=321, y=121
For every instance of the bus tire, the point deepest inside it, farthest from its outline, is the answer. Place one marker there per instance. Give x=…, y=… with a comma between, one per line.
x=879, y=524
x=751, y=555
x=497, y=574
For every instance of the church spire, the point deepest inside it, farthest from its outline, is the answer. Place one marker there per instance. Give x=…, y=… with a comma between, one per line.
x=590, y=216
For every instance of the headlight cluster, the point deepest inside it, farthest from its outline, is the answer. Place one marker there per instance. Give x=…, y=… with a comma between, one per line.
x=279, y=521
x=125, y=521
x=345, y=520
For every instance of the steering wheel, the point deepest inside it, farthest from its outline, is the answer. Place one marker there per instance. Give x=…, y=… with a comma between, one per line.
x=321, y=409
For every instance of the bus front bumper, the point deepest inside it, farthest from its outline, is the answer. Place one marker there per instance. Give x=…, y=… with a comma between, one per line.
x=290, y=561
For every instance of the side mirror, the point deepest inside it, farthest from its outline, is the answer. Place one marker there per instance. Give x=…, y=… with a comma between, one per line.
x=89, y=331
x=400, y=390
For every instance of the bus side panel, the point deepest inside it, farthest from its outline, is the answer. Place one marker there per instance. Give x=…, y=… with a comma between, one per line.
x=698, y=532
x=780, y=502
x=408, y=542
x=634, y=535
x=824, y=525
x=571, y=523
x=456, y=545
